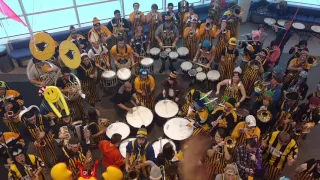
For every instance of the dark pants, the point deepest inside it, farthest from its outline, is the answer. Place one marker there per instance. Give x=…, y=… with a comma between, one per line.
x=163, y=64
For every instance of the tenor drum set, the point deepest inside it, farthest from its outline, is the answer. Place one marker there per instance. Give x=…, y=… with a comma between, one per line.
x=124, y=74
x=109, y=79
x=147, y=63
x=140, y=116
x=118, y=127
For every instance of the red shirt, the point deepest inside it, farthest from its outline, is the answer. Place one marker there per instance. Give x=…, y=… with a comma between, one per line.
x=111, y=154
x=274, y=57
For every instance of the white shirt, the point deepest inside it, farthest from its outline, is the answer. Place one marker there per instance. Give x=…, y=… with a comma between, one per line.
x=99, y=51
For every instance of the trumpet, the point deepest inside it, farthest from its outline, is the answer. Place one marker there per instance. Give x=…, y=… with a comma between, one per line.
x=264, y=116
x=40, y=140
x=230, y=142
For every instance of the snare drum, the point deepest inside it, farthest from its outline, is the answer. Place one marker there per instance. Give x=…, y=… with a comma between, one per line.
x=199, y=69
x=120, y=128
x=140, y=116
x=124, y=74
x=186, y=66
x=109, y=78
x=123, y=146
x=173, y=56
x=155, y=53
x=166, y=108
x=213, y=75
x=168, y=50
x=163, y=55
x=242, y=114
x=157, y=145
x=183, y=52
x=192, y=72
x=147, y=63
x=177, y=129
x=201, y=76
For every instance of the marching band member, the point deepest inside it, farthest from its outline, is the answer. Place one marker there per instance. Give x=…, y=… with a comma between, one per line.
x=283, y=35
x=245, y=130
x=154, y=19
x=183, y=7
x=111, y=155
x=316, y=93
x=37, y=129
x=45, y=109
x=262, y=56
x=251, y=75
x=229, y=58
x=275, y=54
x=224, y=117
x=123, y=96
x=25, y=166
x=122, y=54
x=287, y=109
x=309, y=170
x=137, y=153
x=191, y=36
x=145, y=85
x=230, y=173
x=79, y=40
x=192, y=96
x=7, y=141
x=208, y=30
x=137, y=17
x=11, y=102
x=171, y=89
x=223, y=36
x=97, y=127
x=300, y=85
x=87, y=73
x=189, y=16
x=99, y=33
x=36, y=72
x=168, y=160
x=296, y=50
x=307, y=116
x=275, y=86
x=233, y=17
x=119, y=27
x=167, y=34
x=73, y=152
x=64, y=83
x=234, y=88
x=246, y=158
x=216, y=7
x=279, y=149
x=296, y=66
x=263, y=34
x=218, y=155
x=175, y=16
x=99, y=54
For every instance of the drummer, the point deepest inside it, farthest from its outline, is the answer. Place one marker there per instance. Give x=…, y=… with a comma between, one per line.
x=191, y=97
x=167, y=34
x=124, y=96
x=145, y=86
x=142, y=149
x=205, y=54
x=122, y=54
x=171, y=88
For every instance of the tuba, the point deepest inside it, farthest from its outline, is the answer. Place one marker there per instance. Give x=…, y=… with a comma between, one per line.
x=47, y=77
x=74, y=88
x=264, y=116
x=230, y=142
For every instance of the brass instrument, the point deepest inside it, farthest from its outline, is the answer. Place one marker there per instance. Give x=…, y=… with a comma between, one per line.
x=312, y=61
x=264, y=116
x=47, y=77
x=86, y=131
x=259, y=86
x=163, y=172
x=29, y=171
x=133, y=174
x=116, y=27
x=236, y=13
x=230, y=142
x=41, y=142
x=74, y=88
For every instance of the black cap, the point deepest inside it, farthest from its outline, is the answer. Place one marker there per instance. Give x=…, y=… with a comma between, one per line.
x=294, y=96
x=196, y=95
x=170, y=4
x=65, y=69
x=116, y=12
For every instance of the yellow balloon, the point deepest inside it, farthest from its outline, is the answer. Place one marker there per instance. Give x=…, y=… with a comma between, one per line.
x=112, y=173
x=52, y=94
x=60, y=172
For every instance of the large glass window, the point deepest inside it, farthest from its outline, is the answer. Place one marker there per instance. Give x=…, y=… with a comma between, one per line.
x=10, y=27
x=175, y=2
x=51, y=20
x=81, y=2
x=32, y=6
x=145, y=5
x=101, y=11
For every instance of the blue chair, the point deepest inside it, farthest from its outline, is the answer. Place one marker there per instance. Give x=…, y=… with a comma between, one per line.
x=20, y=50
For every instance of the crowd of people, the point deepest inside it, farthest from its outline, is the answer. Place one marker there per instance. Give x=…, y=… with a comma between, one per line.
x=255, y=145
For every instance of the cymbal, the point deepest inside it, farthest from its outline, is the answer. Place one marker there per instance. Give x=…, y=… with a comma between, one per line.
x=42, y=46
x=70, y=54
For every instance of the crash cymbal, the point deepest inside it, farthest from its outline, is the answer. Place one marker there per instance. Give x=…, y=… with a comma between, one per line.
x=42, y=46
x=70, y=54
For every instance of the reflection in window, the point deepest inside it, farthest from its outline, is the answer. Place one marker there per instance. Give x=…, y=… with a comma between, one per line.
x=145, y=5
x=12, y=28
x=101, y=11
x=14, y=5
x=32, y=6
x=51, y=20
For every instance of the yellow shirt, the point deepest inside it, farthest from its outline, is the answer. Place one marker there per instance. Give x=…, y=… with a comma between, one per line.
x=251, y=132
x=33, y=158
x=295, y=63
x=132, y=18
x=121, y=52
x=93, y=35
x=213, y=32
x=142, y=85
x=187, y=15
x=186, y=33
x=79, y=36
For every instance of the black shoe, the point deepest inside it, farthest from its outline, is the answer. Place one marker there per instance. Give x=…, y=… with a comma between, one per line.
x=161, y=70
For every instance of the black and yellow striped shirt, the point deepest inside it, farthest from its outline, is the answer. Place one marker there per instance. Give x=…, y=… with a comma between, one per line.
x=277, y=155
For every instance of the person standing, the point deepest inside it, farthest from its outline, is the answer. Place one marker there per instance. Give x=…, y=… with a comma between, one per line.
x=79, y=40
x=229, y=58
x=154, y=19
x=223, y=36
x=309, y=170
x=122, y=54
x=145, y=85
x=208, y=30
x=283, y=35
x=191, y=35
x=183, y=7
x=99, y=33
x=111, y=155
x=119, y=27
x=136, y=18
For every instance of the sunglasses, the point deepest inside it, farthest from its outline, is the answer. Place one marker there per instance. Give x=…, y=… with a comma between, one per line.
x=96, y=25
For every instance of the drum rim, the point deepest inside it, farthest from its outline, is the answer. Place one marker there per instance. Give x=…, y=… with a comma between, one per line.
x=169, y=140
x=186, y=63
x=155, y=109
x=175, y=118
x=195, y=72
x=126, y=70
x=144, y=125
x=108, y=72
x=213, y=72
x=122, y=138
x=199, y=73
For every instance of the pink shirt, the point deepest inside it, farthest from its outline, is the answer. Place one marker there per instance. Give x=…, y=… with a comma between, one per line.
x=274, y=57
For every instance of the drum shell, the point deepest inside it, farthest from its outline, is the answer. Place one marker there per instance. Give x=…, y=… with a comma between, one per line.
x=110, y=81
x=173, y=59
x=154, y=53
x=201, y=80
x=155, y=57
x=186, y=69
x=182, y=55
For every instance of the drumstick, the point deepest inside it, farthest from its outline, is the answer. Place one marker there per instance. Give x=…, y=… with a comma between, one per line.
x=222, y=105
x=200, y=64
x=167, y=46
x=165, y=104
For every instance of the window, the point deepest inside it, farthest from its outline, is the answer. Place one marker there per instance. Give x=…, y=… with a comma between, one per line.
x=14, y=5
x=51, y=20
x=81, y=2
x=145, y=5
x=306, y=2
x=12, y=28
x=101, y=11
x=175, y=2
x=32, y=6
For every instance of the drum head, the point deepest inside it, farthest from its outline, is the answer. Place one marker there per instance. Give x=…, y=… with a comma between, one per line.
x=213, y=75
x=157, y=148
x=173, y=55
x=166, y=108
x=177, y=129
x=183, y=51
x=192, y=72
x=123, y=146
x=154, y=51
x=146, y=61
x=186, y=65
x=168, y=50
x=140, y=116
x=108, y=74
x=199, y=69
x=120, y=128
x=201, y=76
x=124, y=73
